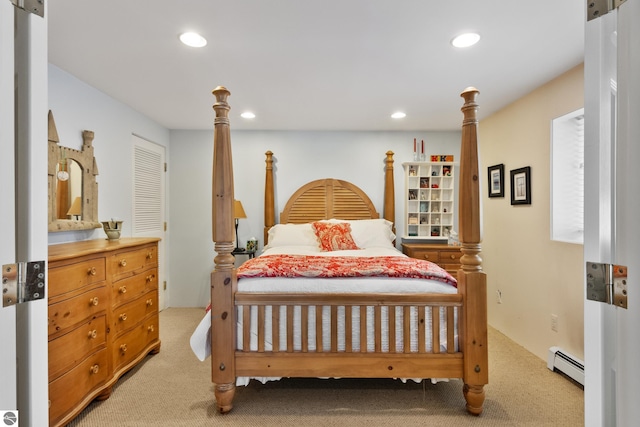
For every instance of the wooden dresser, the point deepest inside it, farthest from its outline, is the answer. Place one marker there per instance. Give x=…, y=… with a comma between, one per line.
x=447, y=257
x=103, y=318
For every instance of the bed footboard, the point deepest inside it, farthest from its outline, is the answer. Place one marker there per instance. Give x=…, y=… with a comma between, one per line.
x=348, y=335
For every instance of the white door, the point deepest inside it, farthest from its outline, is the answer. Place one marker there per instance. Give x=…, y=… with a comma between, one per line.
x=8, y=398
x=612, y=204
x=149, y=201
x=23, y=192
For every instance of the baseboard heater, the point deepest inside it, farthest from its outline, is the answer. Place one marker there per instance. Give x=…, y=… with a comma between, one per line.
x=569, y=365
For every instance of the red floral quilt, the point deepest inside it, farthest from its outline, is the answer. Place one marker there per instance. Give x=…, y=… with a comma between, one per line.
x=338, y=266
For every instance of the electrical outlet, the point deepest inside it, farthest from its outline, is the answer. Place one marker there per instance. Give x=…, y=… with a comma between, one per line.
x=499, y=294
x=554, y=322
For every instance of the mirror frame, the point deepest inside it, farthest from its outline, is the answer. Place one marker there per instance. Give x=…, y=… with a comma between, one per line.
x=89, y=168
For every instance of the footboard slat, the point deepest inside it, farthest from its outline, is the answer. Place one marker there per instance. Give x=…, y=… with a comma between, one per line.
x=363, y=329
x=392, y=329
x=450, y=331
x=406, y=335
x=289, y=329
x=261, y=328
x=435, y=321
x=246, y=333
x=377, y=325
x=422, y=316
x=334, y=329
x=348, y=328
x=304, y=332
x=275, y=330
x=318, y=326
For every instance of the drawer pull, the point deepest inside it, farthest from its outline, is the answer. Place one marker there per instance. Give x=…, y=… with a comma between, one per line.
x=93, y=301
x=93, y=334
x=151, y=328
x=122, y=290
x=151, y=277
x=123, y=348
x=123, y=263
x=92, y=271
x=426, y=257
x=94, y=369
x=149, y=255
x=149, y=302
x=452, y=256
x=123, y=317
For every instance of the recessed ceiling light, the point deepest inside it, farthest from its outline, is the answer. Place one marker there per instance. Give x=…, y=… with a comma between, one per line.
x=465, y=40
x=248, y=115
x=193, y=39
x=398, y=115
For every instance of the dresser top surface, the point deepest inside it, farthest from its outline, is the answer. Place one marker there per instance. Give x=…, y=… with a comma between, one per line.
x=87, y=247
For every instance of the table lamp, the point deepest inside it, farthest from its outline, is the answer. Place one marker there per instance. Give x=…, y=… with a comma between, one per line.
x=238, y=212
x=76, y=208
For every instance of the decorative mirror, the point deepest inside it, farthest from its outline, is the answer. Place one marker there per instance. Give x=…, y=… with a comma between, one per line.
x=73, y=190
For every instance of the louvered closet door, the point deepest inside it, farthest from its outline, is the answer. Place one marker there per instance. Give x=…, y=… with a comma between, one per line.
x=149, y=200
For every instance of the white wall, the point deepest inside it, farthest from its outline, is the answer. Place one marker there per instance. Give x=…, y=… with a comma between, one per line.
x=299, y=157
x=76, y=106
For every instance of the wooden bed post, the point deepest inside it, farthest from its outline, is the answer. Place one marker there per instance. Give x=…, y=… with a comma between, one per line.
x=389, y=210
x=269, y=199
x=223, y=277
x=472, y=281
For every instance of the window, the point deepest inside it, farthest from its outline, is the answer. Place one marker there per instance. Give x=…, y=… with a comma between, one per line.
x=567, y=178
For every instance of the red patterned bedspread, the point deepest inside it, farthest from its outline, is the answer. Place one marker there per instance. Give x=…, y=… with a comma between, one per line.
x=328, y=267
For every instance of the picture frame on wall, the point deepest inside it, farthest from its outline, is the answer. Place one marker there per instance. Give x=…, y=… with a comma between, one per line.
x=521, y=186
x=496, y=180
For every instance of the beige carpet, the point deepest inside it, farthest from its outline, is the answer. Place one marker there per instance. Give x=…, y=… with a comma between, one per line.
x=173, y=388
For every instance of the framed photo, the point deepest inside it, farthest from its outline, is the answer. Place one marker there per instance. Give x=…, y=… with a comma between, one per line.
x=496, y=180
x=521, y=186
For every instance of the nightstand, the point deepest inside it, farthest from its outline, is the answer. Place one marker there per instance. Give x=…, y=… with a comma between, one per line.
x=250, y=254
x=447, y=257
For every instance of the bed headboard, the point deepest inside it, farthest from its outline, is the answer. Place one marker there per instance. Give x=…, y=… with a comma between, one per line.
x=325, y=199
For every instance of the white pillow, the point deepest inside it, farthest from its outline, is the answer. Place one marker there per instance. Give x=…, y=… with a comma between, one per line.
x=291, y=235
x=371, y=233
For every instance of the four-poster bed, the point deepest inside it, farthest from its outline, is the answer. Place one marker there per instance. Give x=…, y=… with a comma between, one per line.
x=295, y=333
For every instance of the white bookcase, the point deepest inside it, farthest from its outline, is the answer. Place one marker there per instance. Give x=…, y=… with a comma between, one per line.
x=428, y=200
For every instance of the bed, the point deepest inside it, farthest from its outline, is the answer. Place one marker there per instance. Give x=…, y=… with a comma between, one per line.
x=379, y=332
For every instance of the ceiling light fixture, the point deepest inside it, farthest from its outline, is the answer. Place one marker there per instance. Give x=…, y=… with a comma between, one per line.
x=465, y=40
x=248, y=115
x=193, y=39
x=398, y=115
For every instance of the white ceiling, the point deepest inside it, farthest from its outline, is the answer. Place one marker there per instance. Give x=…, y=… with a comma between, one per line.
x=315, y=65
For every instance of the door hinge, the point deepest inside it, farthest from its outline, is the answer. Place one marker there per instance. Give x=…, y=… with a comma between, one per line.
x=164, y=285
x=607, y=283
x=32, y=6
x=598, y=8
x=22, y=282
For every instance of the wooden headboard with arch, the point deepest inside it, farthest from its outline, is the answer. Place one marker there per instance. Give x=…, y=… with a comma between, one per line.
x=325, y=199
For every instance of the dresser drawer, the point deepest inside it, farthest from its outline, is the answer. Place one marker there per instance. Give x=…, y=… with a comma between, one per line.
x=128, y=289
x=70, y=349
x=126, y=263
x=71, y=277
x=424, y=254
x=450, y=256
x=72, y=387
x=131, y=344
x=127, y=315
x=74, y=310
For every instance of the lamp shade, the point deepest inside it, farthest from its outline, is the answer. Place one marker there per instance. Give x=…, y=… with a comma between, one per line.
x=76, y=207
x=238, y=210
